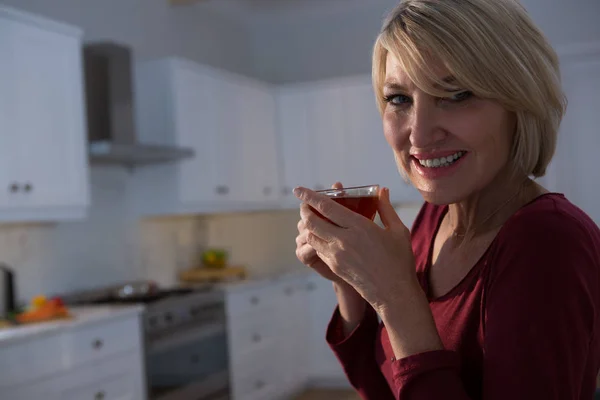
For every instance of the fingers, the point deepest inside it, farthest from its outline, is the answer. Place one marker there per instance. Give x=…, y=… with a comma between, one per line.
x=333, y=211
x=386, y=210
x=307, y=254
x=317, y=225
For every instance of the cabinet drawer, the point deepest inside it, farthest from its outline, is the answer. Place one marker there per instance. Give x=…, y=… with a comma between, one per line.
x=102, y=340
x=115, y=378
x=249, y=335
x=260, y=383
x=116, y=387
x=252, y=301
x=31, y=360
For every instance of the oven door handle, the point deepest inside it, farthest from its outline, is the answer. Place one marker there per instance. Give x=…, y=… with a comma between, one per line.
x=184, y=336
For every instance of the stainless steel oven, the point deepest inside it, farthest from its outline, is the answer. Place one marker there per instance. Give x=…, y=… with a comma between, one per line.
x=186, y=348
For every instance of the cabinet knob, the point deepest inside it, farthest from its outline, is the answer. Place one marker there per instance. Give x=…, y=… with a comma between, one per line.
x=259, y=384
x=254, y=300
x=288, y=291
x=28, y=187
x=222, y=190
x=97, y=344
x=14, y=187
x=267, y=191
x=256, y=338
x=99, y=396
x=311, y=286
x=286, y=191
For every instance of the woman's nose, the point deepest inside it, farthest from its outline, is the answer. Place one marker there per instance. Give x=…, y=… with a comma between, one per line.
x=424, y=124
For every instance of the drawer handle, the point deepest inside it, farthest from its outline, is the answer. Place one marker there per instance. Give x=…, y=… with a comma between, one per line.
x=254, y=300
x=99, y=396
x=259, y=384
x=222, y=190
x=256, y=338
x=97, y=344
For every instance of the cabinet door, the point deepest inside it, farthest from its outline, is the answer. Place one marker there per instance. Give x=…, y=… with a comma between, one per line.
x=370, y=158
x=324, y=368
x=327, y=125
x=9, y=136
x=296, y=143
x=48, y=107
x=574, y=167
x=195, y=109
x=255, y=107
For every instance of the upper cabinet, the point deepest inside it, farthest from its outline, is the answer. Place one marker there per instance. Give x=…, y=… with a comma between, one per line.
x=332, y=131
x=228, y=120
x=43, y=162
x=254, y=143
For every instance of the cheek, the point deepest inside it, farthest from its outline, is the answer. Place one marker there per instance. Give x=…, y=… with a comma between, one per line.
x=395, y=134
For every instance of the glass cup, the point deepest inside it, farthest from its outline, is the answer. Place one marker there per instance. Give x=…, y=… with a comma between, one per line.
x=360, y=199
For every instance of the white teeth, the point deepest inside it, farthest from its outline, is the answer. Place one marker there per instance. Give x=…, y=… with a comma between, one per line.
x=442, y=161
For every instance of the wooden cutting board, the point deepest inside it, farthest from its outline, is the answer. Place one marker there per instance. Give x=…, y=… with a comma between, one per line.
x=203, y=274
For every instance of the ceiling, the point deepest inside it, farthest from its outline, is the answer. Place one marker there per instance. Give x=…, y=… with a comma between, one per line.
x=263, y=9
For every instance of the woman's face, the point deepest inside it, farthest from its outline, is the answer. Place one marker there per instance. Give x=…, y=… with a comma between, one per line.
x=450, y=148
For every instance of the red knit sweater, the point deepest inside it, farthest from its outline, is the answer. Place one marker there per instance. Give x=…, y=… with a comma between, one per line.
x=523, y=323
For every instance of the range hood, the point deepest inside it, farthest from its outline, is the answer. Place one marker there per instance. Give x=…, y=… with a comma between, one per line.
x=110, y=111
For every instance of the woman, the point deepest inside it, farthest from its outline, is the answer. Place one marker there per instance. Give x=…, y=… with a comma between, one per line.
x=495, y=293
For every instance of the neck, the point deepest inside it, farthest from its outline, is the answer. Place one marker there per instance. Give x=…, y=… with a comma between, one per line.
x=490, y=207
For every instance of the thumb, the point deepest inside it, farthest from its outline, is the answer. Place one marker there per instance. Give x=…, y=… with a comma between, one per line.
x=387, y=213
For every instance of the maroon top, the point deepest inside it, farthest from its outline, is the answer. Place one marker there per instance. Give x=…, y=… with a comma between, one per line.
x=523, y=323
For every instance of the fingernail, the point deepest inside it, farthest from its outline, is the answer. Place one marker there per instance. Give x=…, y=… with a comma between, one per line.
x=297, y=191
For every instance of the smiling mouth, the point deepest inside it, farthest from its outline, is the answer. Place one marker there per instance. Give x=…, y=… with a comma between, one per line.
x=442, y=161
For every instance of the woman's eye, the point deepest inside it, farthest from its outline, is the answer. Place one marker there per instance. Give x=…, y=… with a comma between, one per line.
x=398, y=99
x=460, y=96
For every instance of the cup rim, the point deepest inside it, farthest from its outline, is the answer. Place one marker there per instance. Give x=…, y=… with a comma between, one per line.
x=332, y=190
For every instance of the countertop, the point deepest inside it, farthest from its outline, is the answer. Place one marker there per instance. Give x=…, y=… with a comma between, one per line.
x=255, y=281
x=83, y=315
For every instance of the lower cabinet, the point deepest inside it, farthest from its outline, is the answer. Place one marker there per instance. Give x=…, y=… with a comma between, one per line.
x=277, y=336
x=98, y=361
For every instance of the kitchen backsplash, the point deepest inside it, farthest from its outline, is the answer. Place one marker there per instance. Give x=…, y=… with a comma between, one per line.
x=113, y=246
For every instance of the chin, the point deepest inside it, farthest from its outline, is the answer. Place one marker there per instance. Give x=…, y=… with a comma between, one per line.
x=440, y=196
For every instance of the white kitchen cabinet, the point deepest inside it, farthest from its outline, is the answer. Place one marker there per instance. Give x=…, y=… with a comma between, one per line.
x=574, y=170
x=296, y=143
x=276, y=332
x=324, y=368
x=226, y=119
x=97, y=355
x=258, y=142
x=44, y=163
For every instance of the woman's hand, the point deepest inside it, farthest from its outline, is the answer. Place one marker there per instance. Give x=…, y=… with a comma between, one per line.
x=308, y=256
x=377, y=262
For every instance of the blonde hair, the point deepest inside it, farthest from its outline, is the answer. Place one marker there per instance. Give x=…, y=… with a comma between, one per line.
x=490, y=47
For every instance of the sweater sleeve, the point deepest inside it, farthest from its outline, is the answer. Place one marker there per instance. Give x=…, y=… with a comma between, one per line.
x=540, y=311
x=356, y=354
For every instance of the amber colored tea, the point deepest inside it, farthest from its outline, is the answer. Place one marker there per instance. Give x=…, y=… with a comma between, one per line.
x=364, y=205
